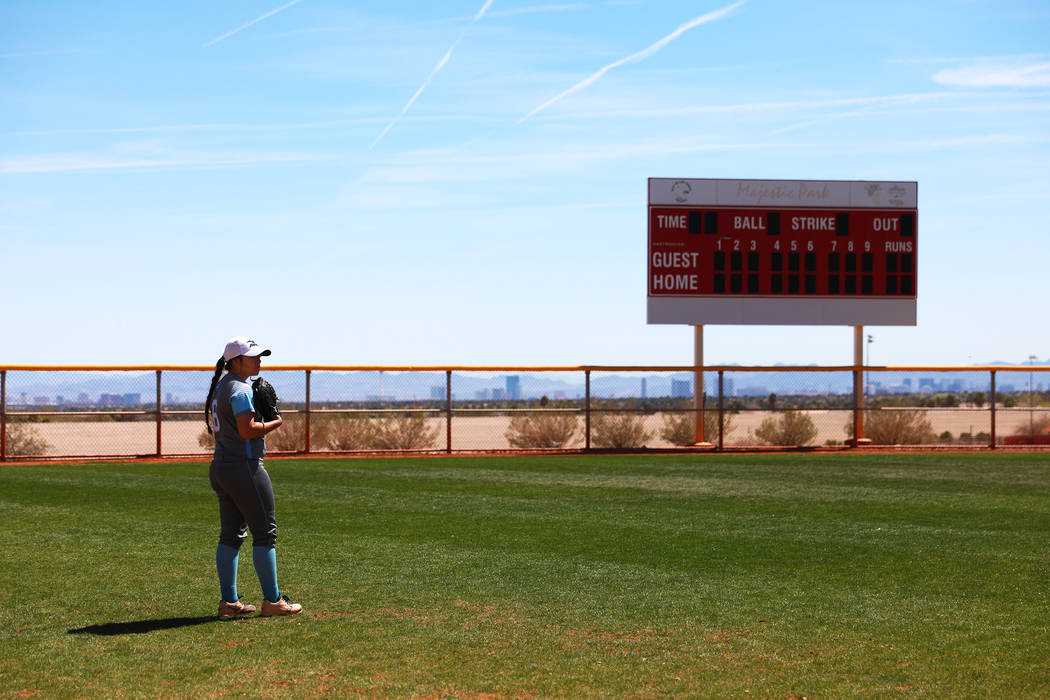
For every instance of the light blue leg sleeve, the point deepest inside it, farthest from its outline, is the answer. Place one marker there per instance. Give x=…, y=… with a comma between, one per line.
x=265, y=560
x=226, y=563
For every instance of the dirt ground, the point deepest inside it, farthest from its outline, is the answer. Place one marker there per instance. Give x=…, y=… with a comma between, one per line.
x=473, y=432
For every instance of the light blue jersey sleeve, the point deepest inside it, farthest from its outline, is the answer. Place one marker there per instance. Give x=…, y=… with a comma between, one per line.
x=241, y=401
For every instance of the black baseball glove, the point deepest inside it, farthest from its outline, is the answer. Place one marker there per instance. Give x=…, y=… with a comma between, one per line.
x=265, y=397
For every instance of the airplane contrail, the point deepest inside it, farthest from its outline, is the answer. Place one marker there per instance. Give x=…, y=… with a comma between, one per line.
x=481, y=12
x=643, y=54
x=441, y=64
x=271, y=13
x=395, y=120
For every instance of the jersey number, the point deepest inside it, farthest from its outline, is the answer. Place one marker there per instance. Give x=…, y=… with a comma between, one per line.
x=215, y=415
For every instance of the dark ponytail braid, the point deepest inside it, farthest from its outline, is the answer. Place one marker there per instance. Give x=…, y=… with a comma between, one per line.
x=219, y=367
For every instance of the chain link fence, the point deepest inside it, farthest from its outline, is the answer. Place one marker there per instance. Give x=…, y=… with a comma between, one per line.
x=56, y=413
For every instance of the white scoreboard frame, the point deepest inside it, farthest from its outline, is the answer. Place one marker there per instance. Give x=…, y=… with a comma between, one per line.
x=766, y=195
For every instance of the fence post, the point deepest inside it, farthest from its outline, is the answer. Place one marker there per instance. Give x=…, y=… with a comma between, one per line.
x=159, y=421
x=721, y=411
x=992, y=408
x=306, y=410
x=3, y=415
x=587, y=409
x=448, y=410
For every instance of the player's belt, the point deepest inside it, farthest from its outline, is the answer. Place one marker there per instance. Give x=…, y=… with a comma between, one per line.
x=236, y=458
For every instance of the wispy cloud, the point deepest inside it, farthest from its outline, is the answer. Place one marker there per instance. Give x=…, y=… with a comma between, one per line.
x=518, y=164
x=271, y=13
x=996, y=75
x=49, y=52
x=863, y=107
x=541, y=9
x=458, y=19
x=1007, y=58
x=198, y=160
x=441, y=64
x=943, y=103
x=498, y=164
x=639, y=56
x=744, y=108
x=246, y=128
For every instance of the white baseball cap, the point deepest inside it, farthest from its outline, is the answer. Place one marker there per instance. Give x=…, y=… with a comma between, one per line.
x=242, y=345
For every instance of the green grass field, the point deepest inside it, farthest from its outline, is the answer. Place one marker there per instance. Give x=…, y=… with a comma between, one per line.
x=773, y=576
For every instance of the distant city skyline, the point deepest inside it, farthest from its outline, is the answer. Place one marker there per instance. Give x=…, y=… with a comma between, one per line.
x=183, y=387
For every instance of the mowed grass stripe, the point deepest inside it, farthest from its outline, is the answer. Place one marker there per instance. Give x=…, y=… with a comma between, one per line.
x=593, y=576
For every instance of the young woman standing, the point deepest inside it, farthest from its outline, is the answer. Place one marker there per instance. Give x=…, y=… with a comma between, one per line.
x=240, y=480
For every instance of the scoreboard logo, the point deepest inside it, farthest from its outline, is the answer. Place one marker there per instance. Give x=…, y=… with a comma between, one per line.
x=681, y=190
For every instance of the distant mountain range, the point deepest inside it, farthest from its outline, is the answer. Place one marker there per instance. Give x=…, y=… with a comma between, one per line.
x=130, y=388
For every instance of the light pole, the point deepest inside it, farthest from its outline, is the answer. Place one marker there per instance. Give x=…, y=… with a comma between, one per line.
x=1031, y=422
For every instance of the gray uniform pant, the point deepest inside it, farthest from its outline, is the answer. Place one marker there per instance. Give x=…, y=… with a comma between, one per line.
x=245, y=501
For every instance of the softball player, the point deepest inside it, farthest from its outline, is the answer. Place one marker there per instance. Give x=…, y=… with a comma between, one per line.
x=240, y=480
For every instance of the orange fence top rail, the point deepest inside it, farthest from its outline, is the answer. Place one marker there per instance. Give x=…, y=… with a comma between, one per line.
x=537, y=368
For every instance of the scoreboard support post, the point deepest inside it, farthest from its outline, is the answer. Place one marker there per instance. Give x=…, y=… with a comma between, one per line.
x=699, y=391
x=858, y=387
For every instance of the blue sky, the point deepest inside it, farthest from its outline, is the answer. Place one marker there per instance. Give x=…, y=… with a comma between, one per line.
x=465, y=182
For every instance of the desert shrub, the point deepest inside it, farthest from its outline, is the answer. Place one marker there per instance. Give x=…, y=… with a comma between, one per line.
x=618, y=430
x=343, y=432
x=406, y=431
x=790, y=429
x=291, y=436
x=531, y=430
x=1037, y=426
x=946, y=436
x=896, y=428
x=23, y=439
x=678, y=428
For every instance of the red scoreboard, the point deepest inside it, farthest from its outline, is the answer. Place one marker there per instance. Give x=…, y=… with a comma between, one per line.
x=782, y=252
